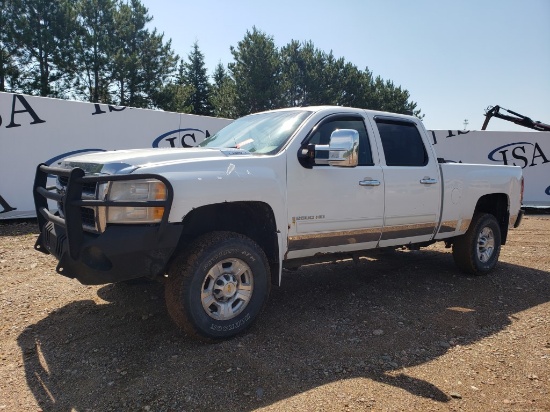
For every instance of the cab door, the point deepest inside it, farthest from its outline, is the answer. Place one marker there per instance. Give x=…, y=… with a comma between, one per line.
x=412, y=183
x=334, y=208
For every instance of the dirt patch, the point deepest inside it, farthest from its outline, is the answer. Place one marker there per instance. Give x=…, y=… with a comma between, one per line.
x=402, y=332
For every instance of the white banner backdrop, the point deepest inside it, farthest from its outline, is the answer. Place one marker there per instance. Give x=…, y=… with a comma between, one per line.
x=36, y=130
x=529, y=150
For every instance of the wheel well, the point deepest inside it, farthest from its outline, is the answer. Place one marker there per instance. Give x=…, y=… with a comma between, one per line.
x=496, y=204
x=252, y=219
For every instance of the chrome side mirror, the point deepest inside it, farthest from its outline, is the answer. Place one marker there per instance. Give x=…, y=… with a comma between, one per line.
x=342, y=151
x=344, y=148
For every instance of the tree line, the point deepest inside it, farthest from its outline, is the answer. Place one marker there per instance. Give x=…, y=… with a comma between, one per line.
x=103, y=51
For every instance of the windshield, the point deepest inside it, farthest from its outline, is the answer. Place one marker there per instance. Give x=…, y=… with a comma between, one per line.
x=262, y=133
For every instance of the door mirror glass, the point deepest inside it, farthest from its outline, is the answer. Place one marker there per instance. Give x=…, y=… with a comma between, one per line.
x=344, y=148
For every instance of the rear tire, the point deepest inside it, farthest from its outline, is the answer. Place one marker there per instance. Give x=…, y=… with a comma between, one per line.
x=477, y=251
x=217, y=289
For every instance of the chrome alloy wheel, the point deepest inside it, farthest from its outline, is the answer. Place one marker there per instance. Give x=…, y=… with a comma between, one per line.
x=227, y=289
x=485, y=244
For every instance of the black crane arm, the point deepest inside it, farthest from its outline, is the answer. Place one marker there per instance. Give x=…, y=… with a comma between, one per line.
x=494, y=111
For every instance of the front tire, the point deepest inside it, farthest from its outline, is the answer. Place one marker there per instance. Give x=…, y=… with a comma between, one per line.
x=477, y=251
x=217, y=289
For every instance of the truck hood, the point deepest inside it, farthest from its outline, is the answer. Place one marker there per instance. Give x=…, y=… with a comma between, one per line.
x=126, y=161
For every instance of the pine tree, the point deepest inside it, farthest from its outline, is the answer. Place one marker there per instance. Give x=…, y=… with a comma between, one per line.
x=256, y=73
x=9, y=53
x=194, y=75
x=142, y=62
x=42, y=29
x=94, y=50
x=222, y=93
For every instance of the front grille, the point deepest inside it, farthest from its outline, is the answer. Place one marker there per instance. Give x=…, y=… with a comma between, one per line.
x=88, y=217
x=88, y=189
x=87, y=214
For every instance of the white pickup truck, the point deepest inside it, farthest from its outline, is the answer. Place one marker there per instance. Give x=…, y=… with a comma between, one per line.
x=218, y=223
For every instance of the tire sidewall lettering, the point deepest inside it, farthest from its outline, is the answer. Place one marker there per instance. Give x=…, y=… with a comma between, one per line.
x=236, y=325
x=227, y=254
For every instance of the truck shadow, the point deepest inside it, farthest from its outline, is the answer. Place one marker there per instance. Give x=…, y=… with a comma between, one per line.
x=326, y=323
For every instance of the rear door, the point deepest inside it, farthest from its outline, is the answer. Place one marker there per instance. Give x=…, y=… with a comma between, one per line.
x=412, y=183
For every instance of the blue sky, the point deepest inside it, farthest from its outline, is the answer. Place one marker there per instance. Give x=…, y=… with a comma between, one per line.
x=455, y=57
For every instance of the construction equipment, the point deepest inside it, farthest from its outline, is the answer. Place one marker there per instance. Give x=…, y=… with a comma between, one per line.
x=494, y=111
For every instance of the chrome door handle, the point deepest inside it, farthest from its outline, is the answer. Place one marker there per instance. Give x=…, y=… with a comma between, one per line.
x=369, y=183
x=428, y=181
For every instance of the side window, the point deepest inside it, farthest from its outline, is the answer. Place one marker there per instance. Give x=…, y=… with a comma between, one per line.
x=321, y=135
x=402, y=143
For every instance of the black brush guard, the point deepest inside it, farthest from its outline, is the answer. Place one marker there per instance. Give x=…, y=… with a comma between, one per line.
x=121, y=252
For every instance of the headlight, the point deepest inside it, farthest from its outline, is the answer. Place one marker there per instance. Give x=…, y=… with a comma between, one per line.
x=135, y=191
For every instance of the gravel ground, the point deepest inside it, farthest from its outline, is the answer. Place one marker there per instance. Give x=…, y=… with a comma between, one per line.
x=403, y=332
